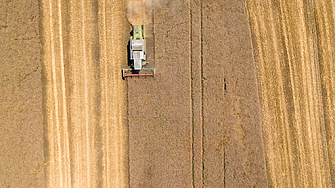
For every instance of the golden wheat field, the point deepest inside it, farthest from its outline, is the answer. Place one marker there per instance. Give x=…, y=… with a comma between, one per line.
x=243, y=94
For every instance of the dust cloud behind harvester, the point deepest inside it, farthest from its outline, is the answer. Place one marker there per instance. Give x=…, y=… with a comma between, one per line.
x=139, y=10
x=85, y=97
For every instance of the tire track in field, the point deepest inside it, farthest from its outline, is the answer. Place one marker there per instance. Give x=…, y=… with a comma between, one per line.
x=85, y=95
x=196, y=91
x=296, y=129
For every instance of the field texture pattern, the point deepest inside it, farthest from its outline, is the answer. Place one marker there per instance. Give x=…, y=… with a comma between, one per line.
x=294, y=50
x=243, y=94
x=21, y=113
x=197, y=123
x=85, y=96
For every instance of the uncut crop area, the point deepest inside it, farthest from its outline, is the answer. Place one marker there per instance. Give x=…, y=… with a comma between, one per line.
x=84, y=45
x=243, y=94
x=294, y=49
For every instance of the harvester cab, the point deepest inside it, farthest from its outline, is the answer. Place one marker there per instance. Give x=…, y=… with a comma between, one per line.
x=137, y=54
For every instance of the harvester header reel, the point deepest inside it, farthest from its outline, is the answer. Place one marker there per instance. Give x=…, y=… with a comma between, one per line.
x=134, y=73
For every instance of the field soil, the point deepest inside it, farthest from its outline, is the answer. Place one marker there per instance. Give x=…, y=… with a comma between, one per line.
x=197, y=123
x=21, y=115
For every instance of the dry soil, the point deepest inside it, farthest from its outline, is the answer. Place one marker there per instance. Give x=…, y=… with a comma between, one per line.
x=22, y=154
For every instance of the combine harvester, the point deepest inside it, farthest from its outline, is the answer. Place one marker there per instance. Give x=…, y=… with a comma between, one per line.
x=137, y=53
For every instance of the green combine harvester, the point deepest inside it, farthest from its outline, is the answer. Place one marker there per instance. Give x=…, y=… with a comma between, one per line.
x=137, y=54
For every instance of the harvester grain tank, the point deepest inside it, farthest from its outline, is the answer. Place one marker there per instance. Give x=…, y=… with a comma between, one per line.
x=137, y=54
